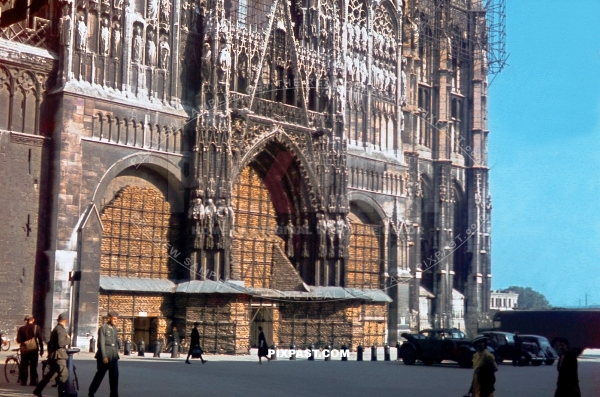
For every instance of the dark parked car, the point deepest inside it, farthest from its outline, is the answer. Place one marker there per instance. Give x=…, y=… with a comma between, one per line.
x=542, y=348
x=435, y=345
x=503, y=344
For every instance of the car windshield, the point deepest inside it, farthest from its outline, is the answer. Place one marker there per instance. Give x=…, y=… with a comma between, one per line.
x=544, y=342
x=458, y=335
x=510, y=338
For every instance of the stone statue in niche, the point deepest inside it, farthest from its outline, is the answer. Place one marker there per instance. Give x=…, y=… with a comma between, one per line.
x=349, y=34
x=224, y=62
x=165, y=51
x=138, y=44
x=212, y=187
x=116, y=40
x=118, y=3
x=393, y=80
x=150, y=50
x=64, y=26
x=230, y=217
x=289, y=232
x=305, y=239
x=197, y=215
x=350, y=68
x=340, y=226
x=404, y=87
x=206, y=62
x=386, y=80
x=81, y=33
x=165, y=10
x=211, y=211
x=185, y=15
x=341, y=92
x=364, y=38
x=414, y=25
x=152, y=9
x=331, y=238
x=104, y=37
x=322, y=233
x=222, y=227
x=364, y=73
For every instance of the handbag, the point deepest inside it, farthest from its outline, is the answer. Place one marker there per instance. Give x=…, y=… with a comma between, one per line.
x=30, y=345
x=196, y=352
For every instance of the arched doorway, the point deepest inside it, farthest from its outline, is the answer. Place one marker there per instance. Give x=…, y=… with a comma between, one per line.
x=140, y=241
x=273, y=218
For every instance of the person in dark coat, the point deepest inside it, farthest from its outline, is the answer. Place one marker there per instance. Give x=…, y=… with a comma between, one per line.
x=195, y=343
x=30, y=338
x=568, y=380
x=518, y=349
x=174, y=338
x=263, y=346
x=57, y=357
x=107, y=357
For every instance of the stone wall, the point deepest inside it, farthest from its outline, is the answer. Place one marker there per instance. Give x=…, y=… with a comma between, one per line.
x=22, y=216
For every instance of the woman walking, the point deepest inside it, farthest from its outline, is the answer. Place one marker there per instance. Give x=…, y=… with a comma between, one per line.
x=263, y=346
x=195, y=349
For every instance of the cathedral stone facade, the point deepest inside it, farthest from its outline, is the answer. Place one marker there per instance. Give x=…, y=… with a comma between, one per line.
x=317, y=167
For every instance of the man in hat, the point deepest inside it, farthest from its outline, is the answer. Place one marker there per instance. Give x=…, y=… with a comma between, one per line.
x=485, y=366
x=29, y=337
x=107, y=356
x=57, y=357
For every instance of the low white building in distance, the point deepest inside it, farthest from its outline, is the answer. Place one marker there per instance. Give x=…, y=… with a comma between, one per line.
x=504, y=300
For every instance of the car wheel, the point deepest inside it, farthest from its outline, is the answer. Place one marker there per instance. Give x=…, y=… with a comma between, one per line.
x=536, y=363
x=408, y=355
x=524, y=361
x=549, y=362
x=465, y=359
x=428, y=361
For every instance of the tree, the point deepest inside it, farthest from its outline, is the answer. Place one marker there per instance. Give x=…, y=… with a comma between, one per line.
x=529, y=298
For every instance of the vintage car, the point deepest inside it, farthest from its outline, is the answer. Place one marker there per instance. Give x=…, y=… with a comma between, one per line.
x=542, y=347
x=503, y=344
x=435, y=345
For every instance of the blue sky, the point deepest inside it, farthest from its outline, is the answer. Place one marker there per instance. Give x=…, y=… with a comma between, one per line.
x=544, y=152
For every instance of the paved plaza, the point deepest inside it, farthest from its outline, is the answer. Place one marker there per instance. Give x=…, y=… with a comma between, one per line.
x=227, y=376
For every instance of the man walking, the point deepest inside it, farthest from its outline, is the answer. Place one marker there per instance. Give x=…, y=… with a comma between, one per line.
x=195, y=344
x=29, y=337
x=107, y=357
x=57, y=357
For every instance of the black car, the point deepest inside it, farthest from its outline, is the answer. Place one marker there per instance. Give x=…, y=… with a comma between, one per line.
x=503, y=344
x=543, y=347
x=435, y=345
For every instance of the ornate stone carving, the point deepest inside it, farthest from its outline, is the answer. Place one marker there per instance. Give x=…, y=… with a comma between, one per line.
x=150, y=49
x=224, y=62
x=165, y=51
x=198, y=217
x=81, y=41
x=152, y=9
x=211, y=211
x=64, y=26
x=289, y=233
x=104, y=37
x=138, y=44
x=322, y=233
x=165, y=10
x=116, y=40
